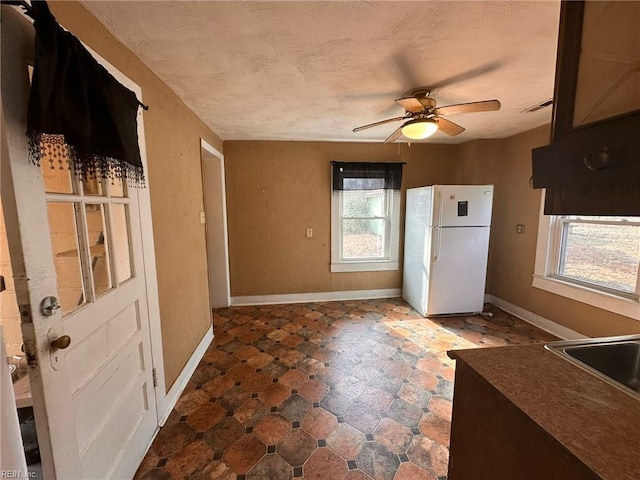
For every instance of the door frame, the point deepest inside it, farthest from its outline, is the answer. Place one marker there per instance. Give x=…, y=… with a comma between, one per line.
x=148, y=244
x=216, y=234
x=12, y=456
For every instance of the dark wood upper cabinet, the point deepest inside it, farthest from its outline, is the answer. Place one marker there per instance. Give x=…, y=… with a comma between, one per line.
x=592, y=166
x=598, y=64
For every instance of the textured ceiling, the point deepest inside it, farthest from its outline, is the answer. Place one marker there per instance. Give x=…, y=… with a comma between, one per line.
x=315, y=70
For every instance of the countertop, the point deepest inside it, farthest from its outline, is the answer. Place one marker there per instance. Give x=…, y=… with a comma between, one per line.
x=597, y=423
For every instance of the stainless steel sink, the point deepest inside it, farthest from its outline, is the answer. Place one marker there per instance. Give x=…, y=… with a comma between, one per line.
x=615, y=359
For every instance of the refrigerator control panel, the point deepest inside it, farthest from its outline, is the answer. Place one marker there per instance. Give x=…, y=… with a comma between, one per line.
x=462, y=205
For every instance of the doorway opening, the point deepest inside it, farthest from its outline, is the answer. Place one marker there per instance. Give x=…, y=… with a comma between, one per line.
x=215, y=217
x=15, y=357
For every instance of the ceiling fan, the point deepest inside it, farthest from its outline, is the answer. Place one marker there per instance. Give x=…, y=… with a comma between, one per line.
x=423, y=118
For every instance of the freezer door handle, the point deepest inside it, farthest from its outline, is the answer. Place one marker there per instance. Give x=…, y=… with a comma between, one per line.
x=440, y=209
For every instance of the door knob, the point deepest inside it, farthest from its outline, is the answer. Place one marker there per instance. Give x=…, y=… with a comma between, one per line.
x=60, y=343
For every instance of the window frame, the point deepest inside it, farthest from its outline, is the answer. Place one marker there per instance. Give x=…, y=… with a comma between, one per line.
x=545, y=276
x=392, y=235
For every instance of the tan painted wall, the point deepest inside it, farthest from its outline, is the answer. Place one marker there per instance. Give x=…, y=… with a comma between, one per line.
x=507, y=164
x=173, y=135
x=276, y=190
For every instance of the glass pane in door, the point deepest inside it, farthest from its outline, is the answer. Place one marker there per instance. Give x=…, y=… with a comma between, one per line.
x=56, y=175
x=66, y=254
x=120, y=239
x=116, y=188
x=92, y=186
x=98, y=248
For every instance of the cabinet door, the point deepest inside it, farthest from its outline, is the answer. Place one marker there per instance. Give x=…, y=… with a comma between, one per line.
x=608, y=81
x=492, y=439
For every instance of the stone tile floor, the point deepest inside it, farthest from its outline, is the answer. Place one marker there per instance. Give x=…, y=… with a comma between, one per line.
x=348, y=390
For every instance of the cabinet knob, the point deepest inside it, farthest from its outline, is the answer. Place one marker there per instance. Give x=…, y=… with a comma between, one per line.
x=601, y=160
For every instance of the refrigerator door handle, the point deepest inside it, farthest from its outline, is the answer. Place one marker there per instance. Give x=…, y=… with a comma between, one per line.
x=437, y=242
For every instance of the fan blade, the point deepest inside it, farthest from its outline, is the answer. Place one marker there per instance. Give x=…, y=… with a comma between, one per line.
x=395, y=135
x=449, y=127
x=485, y=106
x=410, y=104
x=375, y=124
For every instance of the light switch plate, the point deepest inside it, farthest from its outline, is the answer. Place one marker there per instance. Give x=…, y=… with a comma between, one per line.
x=309, y=232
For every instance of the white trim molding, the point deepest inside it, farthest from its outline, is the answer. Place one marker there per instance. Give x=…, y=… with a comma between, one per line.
x=547, y=258
x=12, y=456
x=148, y=251
x=539, y=321
x=612, y=303
x=210, y=148
x=219, y=289
x=181, y=382
x=364, y=266
x=315, y=297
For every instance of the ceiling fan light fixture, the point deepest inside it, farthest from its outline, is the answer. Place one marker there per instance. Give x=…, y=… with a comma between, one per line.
x=420, y=128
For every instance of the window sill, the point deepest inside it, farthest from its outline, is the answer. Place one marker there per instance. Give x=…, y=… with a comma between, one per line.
x=612, y=303
x=364, y=266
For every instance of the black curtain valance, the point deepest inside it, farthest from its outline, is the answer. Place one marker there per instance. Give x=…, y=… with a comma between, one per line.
x=79, y=114
x=366, y=176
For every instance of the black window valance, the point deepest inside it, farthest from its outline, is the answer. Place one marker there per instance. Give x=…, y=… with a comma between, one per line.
x=366, y=176
x=79, y=113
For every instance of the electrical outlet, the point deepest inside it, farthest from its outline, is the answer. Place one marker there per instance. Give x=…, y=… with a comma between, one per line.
x=203, y=219
x=520, y=228
x=309, y=232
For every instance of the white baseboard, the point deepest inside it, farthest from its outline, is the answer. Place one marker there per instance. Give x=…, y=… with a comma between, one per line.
x=542, y=323
x=181, y=382
x=315, y=297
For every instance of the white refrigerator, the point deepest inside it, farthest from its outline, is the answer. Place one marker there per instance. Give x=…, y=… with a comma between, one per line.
x=446, y=244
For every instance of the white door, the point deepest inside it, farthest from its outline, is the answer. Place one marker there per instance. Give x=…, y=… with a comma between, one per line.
x=80, y=242
x=463, y=205
x=458, y=270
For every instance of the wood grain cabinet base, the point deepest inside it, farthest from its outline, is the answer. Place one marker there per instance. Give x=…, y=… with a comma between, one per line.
x=493, y=439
